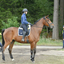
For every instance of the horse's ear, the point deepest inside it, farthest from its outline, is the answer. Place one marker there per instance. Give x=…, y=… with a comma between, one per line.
x=47, y=16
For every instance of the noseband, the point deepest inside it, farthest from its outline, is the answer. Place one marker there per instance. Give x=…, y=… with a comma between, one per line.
x=48, y=22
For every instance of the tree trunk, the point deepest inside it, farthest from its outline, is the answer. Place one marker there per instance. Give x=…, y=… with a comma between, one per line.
x=61, y=18
x=55, y=34
x=63, y=12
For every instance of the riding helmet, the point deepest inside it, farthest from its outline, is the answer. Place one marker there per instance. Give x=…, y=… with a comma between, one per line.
x=25, y=10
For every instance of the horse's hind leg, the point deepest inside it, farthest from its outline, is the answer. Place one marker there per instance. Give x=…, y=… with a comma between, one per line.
x=10, y=49
x=3, y=56
x=3, y=49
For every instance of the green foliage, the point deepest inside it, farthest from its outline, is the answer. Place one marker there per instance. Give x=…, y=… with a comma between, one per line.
x=37, y=8
x=49, y=41
x=9, y=9
x=46, y=42
x=0, y=37
x=10, y=23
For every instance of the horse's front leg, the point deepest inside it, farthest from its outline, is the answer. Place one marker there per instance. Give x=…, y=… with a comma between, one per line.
x=33, y=51
x=33, y=54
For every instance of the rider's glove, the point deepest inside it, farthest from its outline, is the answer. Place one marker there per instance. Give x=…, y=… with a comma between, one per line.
x=29, y=23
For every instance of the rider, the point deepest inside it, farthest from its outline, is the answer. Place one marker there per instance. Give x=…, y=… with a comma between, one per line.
x=24, y=22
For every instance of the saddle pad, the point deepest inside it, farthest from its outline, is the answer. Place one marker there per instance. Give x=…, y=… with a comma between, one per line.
x=20, y=32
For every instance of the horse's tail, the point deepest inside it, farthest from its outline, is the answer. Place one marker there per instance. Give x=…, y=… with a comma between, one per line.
x=3, y=42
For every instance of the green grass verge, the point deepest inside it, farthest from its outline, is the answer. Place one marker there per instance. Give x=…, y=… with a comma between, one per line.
x=44, y=41
x=49, y=41
x=0, y=37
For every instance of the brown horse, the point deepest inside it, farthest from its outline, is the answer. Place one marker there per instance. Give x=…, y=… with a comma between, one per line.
x=10, y=35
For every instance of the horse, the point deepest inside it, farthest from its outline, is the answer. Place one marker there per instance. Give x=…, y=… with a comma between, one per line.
x=10, y=35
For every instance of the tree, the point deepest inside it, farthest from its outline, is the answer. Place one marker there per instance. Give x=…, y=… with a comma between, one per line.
x=36, y=8
x=55, y=34
x=61, y=18
x=10, y=23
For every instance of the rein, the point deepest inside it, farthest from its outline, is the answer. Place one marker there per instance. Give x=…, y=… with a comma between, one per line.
x=42, y=27
x=48, y=23
x=37, y=27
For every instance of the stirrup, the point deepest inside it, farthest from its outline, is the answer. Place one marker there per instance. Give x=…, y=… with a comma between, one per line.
x=22, y=40
x=23, y=35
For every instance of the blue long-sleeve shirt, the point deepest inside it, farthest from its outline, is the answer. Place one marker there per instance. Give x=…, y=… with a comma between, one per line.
x=24, y=19
x=63, y=34
x=0, y=45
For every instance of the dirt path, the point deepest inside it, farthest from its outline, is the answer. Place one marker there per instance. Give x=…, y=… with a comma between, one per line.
x=43, y=56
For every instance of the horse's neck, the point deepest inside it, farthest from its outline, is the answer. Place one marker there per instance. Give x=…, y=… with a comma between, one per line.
x=38, y=26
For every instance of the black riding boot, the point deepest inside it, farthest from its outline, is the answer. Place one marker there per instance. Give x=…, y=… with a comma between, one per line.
x=24, y=33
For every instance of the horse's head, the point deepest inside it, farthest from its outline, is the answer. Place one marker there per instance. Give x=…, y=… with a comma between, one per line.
x=48, y=22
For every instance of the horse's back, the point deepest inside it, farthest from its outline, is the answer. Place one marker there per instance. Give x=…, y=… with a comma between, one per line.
x=11, y=29
x=9, y=32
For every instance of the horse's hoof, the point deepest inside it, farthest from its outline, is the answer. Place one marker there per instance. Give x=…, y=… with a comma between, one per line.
x=3, y=59
x=32, y=60
x=22, y=40
x=12, y=59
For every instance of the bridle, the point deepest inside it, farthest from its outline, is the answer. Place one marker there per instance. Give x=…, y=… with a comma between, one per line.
x=46, y=21
x=49, y=23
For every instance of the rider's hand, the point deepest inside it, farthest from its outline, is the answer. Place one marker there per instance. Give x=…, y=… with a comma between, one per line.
x=30, y=24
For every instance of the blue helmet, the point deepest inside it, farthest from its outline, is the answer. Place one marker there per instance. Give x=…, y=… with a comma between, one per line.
x=25, y=10
x=63, y=25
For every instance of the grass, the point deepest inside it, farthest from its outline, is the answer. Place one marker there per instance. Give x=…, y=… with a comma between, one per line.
x=44, y=41
x=49, y=41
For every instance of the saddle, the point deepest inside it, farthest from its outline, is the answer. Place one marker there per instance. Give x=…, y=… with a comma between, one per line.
x=20, y=31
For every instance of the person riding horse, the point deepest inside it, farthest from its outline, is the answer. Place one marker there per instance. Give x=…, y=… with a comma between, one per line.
x=24, y=22
x=10, y=35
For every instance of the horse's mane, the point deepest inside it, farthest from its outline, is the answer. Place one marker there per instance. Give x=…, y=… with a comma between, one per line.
x=40, y=18
x=37, y=21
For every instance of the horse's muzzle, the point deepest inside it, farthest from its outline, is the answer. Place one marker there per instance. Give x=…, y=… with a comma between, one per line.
x=52, y=27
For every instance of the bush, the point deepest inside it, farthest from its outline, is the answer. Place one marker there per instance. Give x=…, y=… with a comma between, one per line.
x=0, y=37
x=10, y=23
